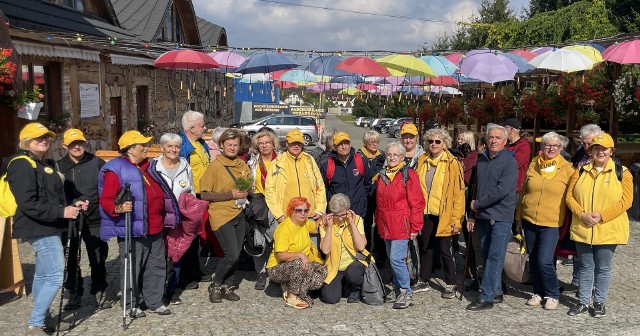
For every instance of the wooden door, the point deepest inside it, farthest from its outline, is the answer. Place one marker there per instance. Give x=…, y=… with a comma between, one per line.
x=116, y=125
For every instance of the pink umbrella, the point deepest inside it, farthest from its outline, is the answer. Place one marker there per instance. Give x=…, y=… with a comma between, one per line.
x=185, y=59
x=455, y=58
x=526, y=54
x=542, y=50
x=227, y=59
x=366, y=87
x=285, y=85
x=441, y=80
x=363, y=66
x=627, y=52
x=275, y=75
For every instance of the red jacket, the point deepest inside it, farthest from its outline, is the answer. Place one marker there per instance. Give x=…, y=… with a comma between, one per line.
x=400, y=208
x=521, y=150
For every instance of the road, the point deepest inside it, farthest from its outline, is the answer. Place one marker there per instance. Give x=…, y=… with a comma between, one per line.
x=356, y=133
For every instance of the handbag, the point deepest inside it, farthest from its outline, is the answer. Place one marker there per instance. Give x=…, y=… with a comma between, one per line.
x=516, y=260
x=372, y=291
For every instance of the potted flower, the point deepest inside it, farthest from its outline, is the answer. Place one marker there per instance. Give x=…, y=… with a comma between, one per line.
x=28, y=103
x=7, y=76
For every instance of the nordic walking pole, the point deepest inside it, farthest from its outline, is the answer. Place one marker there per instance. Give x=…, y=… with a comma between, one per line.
x=80, y=222
x=466, y=263
x=67, y=246
x=123, y=196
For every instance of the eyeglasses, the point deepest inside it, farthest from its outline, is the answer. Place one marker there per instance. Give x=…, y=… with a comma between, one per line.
x=394, y=155
x=550, y=146
x=373, y=142
x=301, y=211
x=44, y=138
x=437, y=142
x=268, y=143
x=342, y=215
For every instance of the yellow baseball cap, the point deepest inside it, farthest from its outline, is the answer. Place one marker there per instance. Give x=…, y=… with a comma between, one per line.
x=340, y=137
x=35, y=130
x=71, y=135
x=295, y=135
x=409, y=128
x=131, y=138
x=604, y=140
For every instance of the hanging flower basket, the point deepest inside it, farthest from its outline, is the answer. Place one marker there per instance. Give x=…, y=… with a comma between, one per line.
x=29, y=111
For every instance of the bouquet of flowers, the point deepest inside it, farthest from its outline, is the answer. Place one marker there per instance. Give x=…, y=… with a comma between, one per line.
x=243, y=183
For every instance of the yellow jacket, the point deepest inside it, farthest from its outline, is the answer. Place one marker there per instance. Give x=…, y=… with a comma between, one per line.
x=452, y=200
x=542, y=200
x=285, y=169
x=334, y=257
x=600, y=192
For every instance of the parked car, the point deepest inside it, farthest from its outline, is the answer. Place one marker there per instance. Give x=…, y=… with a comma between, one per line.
x=358, y=121
x=281, y=124
x=394, y=129
x=366, y=121
x=383, y=124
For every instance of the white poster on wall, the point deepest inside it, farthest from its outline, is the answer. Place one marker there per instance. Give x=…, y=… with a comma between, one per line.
x=89, y=101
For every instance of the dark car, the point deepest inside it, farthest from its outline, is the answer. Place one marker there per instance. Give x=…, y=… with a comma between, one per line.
x=366, y=122
x=394, y=129
x=383, y=125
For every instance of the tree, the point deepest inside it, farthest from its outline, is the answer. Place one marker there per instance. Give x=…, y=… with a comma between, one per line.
x=495, y=11
x=542, y=6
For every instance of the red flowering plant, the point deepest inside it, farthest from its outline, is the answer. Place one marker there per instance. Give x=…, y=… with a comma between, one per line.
x=499, y=105
x=25, y=97
x=477, y=109
x=7, y=75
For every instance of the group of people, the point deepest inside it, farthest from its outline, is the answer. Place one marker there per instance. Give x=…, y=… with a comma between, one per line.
x=311, y=215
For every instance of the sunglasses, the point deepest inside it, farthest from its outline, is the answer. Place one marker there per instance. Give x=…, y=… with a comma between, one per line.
x=437, y=142
x=301, y=211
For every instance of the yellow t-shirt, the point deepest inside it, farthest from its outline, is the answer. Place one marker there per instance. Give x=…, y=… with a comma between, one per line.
x=199, y=160
x=434, y=197
x=338, y=229
x=258, y=177
x=290, y=237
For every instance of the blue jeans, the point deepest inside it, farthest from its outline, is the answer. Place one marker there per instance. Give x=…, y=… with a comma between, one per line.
x=397, y=251
x=494, y=237
x=595, y=271
x=541, y=245
x=48, y=276
x=575, y=275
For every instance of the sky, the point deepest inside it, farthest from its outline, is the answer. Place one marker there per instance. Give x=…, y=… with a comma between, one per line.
x=265, y=24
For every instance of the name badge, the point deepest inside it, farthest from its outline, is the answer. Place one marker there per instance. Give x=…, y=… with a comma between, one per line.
x=48, y=170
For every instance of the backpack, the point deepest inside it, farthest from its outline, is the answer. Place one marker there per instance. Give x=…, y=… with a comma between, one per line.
x=331, y=166
x=8, y=205
x=618, y=168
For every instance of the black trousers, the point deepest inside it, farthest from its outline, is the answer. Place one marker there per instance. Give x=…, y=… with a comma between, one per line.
x=97, y=251
x=231, y=237
x=375, y=243
x=427, y=242
x=352, y=277
x=149, y=269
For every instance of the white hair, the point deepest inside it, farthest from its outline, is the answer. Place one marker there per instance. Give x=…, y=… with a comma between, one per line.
x=339, y=203
x=370, y=135
x=396, y=145
x=217, y=132
x=170, y=138
x=189, y=119
x=551, y=136
x=590, y=129
x=327, y=134
x=491, y=126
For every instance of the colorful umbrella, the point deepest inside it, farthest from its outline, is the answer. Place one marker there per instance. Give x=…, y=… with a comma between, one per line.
x=385, y=90
x=406, y=65
x=440, y=65
x=455, y=58
x=541, y=50
x=526, y=54
x=393, y=80
x=489, y=66
x=227, y=59
x=366, y=87
x=351, y=79
x=445, y=90
x=627, y=52
x=351, y=91
x=592, y=53
x=285, y=85
x=441, y=80
x=265, y=63
x=363, y=66
x=562, y=60
x=521, y=62
x=594, y=45
x=326, y=66
x=185, y=59
x=299, y=76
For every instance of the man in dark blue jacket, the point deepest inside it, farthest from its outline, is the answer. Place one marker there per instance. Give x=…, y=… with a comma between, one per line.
x=348, y=173
x=493, y=204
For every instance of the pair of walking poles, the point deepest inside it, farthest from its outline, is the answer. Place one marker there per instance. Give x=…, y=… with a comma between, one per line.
x=125, y=196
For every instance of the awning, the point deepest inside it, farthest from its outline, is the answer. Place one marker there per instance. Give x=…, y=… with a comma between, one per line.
x=47, y=50
x=129, y=60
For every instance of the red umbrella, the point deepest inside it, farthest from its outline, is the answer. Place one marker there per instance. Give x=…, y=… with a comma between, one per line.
x=455, y=58
x=441, y=80
x=366, y=87
x=275, y=75
x=285, y=85
x=363, y=66
x=524, y=54
x=624, y=53
x=185, y=59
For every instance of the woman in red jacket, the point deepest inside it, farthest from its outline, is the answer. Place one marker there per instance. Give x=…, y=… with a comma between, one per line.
x=400, y=205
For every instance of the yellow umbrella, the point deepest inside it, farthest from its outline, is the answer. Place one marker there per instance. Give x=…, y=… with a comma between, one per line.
x=351, y=91
x=322, y=78
x=592, y=53
x=406, y=65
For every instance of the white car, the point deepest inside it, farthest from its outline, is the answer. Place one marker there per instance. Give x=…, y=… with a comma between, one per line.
x=358, y=121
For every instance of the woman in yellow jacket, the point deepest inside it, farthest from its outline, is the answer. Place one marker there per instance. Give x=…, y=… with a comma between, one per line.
x=540, y=212
x=599, y=195
x=442, y=181
x=342, y=236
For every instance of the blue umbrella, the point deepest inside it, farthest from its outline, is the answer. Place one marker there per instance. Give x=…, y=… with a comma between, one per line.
x=440, y=65
x=299, y=76
x=595, y=46
x=462, y=78
x=521, y=62
x=265, y=63
x=350, y=79
x=326, y=66
x=413, y=91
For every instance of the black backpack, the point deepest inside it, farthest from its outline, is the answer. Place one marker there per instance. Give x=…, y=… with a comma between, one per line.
x=618, y=168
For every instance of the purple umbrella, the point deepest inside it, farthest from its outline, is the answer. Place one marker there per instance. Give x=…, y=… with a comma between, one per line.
x=393, y=80
x=489, y=66
x=227, y=59
x=326, y=66
x=541, y=50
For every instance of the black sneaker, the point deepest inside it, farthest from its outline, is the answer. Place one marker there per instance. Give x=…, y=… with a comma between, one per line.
x=479, y=305
x=354, y=297
x=228, y=294
x=162, y=310
x=137, y=313
x=473, y=286
x=261, y=281
x=192, y=285
x=420, y=286
x=599, y=310
x=449, y=292
x=74, y=303
x=215, y=293
x=578, y=309
x=51, y=324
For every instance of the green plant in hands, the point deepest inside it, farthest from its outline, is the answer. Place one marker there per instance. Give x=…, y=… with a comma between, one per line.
x=244, y=183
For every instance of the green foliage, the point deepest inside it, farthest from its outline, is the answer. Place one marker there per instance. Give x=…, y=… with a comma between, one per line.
x=374, y=106
x=244, y=183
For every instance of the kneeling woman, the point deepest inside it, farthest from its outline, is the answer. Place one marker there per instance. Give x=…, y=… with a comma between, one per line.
x=342, y=237
x=294, y=260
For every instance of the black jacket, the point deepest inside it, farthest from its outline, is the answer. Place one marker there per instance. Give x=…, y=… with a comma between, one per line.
x=40, y=197
x=348, y=180
x=493, y=187
x=81, y=180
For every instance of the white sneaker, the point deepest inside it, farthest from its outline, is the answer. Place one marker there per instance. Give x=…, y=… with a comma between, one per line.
x=551, y=303
x=535, y=301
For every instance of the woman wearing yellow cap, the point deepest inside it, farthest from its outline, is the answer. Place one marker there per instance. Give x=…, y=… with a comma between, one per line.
x=599, y=195
x=41, y=217
x=152, y=208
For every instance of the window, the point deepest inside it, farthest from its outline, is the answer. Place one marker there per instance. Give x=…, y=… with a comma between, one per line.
x=307, y=121
x=290, y=121
x=273, y=121
x=75, y=4
x=171, y=30
x=48, y=77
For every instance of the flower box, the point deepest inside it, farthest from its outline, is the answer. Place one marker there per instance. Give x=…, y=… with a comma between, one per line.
x=30, y=111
